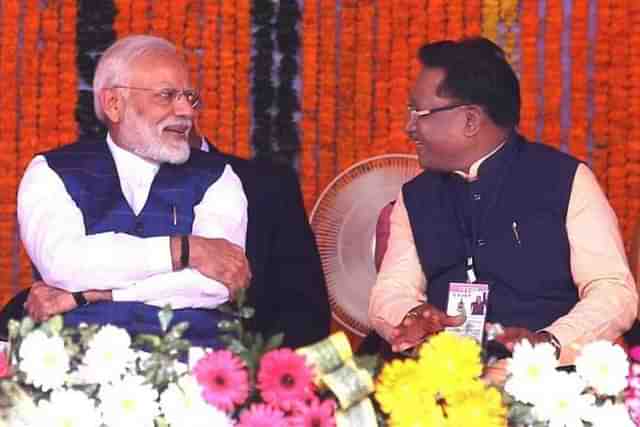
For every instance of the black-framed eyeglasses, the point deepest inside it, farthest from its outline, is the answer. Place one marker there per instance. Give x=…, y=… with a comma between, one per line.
x=418, y=114
x=167, y=96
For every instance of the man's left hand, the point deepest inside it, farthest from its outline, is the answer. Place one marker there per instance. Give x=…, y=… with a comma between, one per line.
x=45, y=301
x=513, y=335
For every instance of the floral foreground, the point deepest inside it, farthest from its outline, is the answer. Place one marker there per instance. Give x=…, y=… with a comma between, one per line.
x=96, y=376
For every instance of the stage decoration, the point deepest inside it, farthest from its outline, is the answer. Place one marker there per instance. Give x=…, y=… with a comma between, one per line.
x=209, y=117
x=508, y=16
x=417, y=36
x=327, y=102
x=617, y=115
x=160, y=17
x=288, y=42
x=95, y=33
x=382, y=79
x=193, y=42
x=553, y=83
x=602, y=62
x=227, y=83
x=472, y=18
x=347, y=87
x=529, y=86
x=99, y=376
x=364, y=66
x=437, y=19
x=310, y=99
x=633, y=149
x=242, y=103
x=399, y=84
x=490, y=19
x=579, y=62
x=455, y=19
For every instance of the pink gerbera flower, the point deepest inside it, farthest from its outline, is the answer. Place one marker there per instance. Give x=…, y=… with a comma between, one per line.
x=314, y=414
x=5, y=368
x=261, y=415
x=284, y=378
x=224, y=379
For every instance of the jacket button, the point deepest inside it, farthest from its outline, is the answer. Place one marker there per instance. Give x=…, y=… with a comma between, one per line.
x=476, y=196
x=481, y=242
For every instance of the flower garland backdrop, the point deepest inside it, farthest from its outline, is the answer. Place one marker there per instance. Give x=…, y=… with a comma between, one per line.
x=347, y=64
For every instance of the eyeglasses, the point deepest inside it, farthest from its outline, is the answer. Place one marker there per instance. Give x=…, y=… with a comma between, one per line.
x=418, y=114
x=168, y=96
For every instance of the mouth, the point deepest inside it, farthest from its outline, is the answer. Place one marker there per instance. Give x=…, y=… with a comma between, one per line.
x=181, y=130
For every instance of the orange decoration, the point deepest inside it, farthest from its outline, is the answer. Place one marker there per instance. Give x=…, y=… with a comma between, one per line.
x=345, y=143
x=579, y=62
x=472, y=18
x=553, y=84
x=227, y=87
x=243, y=74
x=382, y=80
x=363, y=77
x=398, y=141
x=529, y=69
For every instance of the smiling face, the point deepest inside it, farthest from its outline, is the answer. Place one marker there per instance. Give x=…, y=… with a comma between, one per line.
x=146, y=123
x=440, y=138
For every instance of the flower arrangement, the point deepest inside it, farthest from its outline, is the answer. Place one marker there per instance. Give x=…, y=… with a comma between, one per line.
x=98, y=376
x=442, y=386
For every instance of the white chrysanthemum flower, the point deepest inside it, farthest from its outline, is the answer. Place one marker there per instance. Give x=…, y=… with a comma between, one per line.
x=183, y=406
x=44, y=360
x=604, y=366
x=129, y=402
x=109, y=353
x=529, y=369
x=68, y=408
x=608, y=415
x=563, y=404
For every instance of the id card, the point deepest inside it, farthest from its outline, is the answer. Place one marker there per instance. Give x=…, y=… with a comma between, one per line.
x=469, y=300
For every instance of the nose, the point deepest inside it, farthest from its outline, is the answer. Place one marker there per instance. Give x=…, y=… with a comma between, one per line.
x=182, y=107
x=410, y=127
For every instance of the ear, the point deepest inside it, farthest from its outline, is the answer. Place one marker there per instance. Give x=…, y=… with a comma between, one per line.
x=112, y=104
x=473, y=120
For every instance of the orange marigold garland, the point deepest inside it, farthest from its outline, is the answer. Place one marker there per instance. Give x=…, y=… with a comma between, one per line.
x=437, y=19
x=9, y=14
x=633, y=146
x=48, y=101
x=310, y=89
x=490, y=18
x=227, y=87
x=363, y=97
x=472, y=17
x=122, y=22
x=328, y=101
x=382, y=80
x=398, y=141
x=509, y=15
x=602, y=64
x=346, y=88
x=579, y=50
x=68, y=89
x=553, y=84
x=160, y=21
x=177, y=22
x=529, y=68
x=140, y=22
x=455, y=19
x=242, y=72
x=417, y=35
x=193, y=42
x=618, y=119
x=209, y=117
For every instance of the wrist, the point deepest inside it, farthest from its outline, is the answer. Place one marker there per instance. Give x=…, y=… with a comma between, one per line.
x=96, y=296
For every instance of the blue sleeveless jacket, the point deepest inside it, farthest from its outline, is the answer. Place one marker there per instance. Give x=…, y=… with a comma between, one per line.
x=512, y=219
x=89, y=174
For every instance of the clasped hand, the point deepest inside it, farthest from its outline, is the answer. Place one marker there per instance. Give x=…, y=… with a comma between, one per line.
x=421, y=322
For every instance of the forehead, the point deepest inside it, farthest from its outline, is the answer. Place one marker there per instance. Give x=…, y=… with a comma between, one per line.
x=156, y=69
x=426, y=86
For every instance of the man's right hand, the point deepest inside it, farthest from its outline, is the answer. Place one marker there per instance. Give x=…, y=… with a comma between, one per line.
x=220, y=260
x=420, y=323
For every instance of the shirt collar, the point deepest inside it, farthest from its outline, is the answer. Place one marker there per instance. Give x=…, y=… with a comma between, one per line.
x=472, y=175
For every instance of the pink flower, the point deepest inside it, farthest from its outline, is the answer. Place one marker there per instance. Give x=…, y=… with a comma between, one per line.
x=261, y=415
x=284, y=378
x=223, y=378
x=5, y=368
x=315, y=414
x=635, y=353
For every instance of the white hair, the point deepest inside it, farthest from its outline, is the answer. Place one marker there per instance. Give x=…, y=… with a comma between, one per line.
x=114, y=67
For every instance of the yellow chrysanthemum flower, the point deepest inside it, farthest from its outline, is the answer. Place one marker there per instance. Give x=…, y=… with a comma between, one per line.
x=481, y=409
x=398, y=381
x=449, y=363
x=418, y=411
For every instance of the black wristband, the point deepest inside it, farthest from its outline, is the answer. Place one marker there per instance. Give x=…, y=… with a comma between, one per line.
x=555, y=342
x=184, y=251
x=79, y=298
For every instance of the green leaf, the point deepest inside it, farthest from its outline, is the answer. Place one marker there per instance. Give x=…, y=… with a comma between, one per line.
x=274, y=342
x=54, y=325
x=26, y=326
x=227, y=326
x=165, y=315
x=147, y=339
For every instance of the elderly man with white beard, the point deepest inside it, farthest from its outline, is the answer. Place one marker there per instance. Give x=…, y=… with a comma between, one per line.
x=122, y=226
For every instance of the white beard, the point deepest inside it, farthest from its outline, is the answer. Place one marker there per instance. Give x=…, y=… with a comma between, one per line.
x=146, y=141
